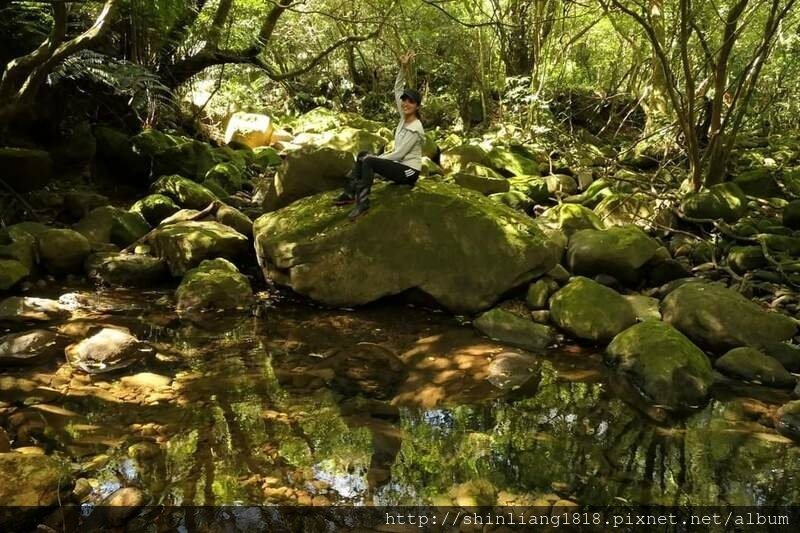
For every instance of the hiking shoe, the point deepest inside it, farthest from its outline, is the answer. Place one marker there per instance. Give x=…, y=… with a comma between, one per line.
x=344, y=199
x=357, y=211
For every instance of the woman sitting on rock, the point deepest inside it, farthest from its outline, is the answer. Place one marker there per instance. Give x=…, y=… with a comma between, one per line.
x=401, y=165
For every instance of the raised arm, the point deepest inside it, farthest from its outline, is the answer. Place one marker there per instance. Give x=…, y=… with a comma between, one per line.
x=399, y=84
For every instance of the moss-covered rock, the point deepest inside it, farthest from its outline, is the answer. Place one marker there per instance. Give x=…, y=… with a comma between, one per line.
x=569, y=218
x=538, y=293
x=234, y=218
x=11, y=272
x=25, y=169
x=744, y=258
x=109, y=224
x=352, y=140
x=31, y=480
x=589, y=310
x=318, y=120
x=155, y=208
x=265, y=157
x=228, y=175
x=216, y=189
x=214, y=284
x=787, y=420
x=511, y=162
x=662, y=365
x=78, y=204
x=185, y=192
x=534, y=187
x=18, y=245
x=479, y=170
x=312, y=247
x=513, y=199
x=788, y=355
x=758, y=182
x=483, y=184
x=791, y=215
x=308, y=171
x=749, y=364
x=637, y=208
x=620, y=251
x=62, y=251
x=185, y=245
x=504, y=326
x=173, y=154
x=721, y=318
x=457, y=158
x=724, y=201
x=644, y=307
x=561, y=184
x=131, y=270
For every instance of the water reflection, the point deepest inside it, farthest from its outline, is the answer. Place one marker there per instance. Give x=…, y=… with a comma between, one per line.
x=311, y=406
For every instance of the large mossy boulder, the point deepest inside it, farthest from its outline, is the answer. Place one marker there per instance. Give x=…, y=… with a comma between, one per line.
x=308, y=171
x=62, y=251
x=511, y=161
x=504, y=326
x=11, y=272
x=185, y=245
x=719, y=318
x=25, y=169
x=410, y=238
x=109, y=224
x=457, y=158
x=173, y=154
x=662, y=365
x=28, y=480
x=621, y=251
x=569, y=218
x=724, y=201
x=759, y=182
x=214, y=284
x=184, y=191
x=749, y=364
x=155, y=208
x=589, y=310
x=130, y=270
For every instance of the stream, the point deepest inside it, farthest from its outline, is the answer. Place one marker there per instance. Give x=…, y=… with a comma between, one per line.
x=389, y=404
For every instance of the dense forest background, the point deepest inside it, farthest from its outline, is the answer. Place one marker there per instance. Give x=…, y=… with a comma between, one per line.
x=655, y=77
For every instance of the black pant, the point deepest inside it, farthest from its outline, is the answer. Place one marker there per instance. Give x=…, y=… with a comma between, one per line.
x=360, y=179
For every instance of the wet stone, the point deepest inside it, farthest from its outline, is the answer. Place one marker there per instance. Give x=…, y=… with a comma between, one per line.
x=30, y=347
x=29, y=309
x=108, y=349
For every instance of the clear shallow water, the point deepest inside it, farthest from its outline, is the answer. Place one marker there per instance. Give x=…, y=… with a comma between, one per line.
x=384, y=405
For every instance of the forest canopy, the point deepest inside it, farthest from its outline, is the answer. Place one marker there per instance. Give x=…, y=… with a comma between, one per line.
x=666, y=74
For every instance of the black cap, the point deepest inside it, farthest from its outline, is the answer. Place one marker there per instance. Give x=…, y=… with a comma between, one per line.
x=413, y=95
